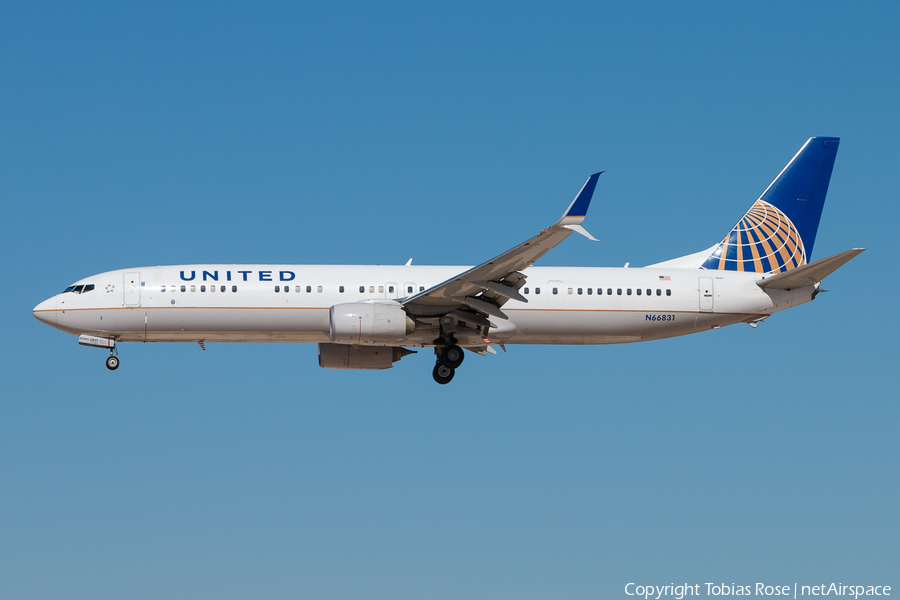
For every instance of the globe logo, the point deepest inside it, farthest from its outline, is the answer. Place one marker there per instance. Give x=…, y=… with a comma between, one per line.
x=764, y=241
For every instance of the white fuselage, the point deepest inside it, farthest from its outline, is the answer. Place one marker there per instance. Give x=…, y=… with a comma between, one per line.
x=250, y=303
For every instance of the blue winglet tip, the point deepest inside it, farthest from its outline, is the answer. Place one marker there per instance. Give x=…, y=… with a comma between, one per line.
x=582, y=201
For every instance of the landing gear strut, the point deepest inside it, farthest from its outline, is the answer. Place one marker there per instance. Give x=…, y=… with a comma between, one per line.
x=449, y=357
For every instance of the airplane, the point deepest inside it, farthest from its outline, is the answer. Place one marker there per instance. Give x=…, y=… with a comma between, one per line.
x=369, y=317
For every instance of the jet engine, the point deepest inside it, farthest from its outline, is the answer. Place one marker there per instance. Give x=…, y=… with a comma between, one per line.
x=369, y=323
x=345, y=356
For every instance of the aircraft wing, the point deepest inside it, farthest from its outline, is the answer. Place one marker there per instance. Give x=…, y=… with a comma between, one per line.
x=810, y=274
x=482, y=290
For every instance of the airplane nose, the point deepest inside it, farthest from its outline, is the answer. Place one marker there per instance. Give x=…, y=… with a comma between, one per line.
x=45, y=312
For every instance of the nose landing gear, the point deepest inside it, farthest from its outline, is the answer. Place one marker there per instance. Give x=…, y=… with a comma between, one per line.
x=112, y=361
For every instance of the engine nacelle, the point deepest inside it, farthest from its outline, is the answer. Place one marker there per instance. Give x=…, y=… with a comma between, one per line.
x=369, y=323
x=345, y=356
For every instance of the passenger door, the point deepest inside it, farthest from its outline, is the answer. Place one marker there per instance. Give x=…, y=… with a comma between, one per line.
x=706, y=294
x=132, y=283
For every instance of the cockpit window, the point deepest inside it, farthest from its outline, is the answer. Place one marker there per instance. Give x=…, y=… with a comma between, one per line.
x=79, y=289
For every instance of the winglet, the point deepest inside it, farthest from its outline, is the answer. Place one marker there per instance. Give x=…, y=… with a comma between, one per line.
x=582, y=231
x=574, y=215
x=579, y=207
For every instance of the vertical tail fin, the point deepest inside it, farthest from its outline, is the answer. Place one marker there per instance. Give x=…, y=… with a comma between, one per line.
x=778, y=232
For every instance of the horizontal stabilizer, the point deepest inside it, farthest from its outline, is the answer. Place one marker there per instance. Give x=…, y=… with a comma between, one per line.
x=811, y=274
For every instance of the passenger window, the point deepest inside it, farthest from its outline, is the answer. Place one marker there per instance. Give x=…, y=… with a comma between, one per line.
x=609, y=292
x=526, y=290
x=162, y=289
x=421, y=288
x=590, y=291
x=183, y=289
x=668, y=292
x=287, y=289
x=659, y=292
x=390, y=289
x=341, y=289
x=308, y=289
x=380, y=289
x=202, y=288
x=409, y=289
x=570, y=291
x=579, y=291
x=599, y=291
x=362, y=289
x=638, y=291
x=222, y=289
x=537, y=290
x=649, y=292
x=555, y=291
x=629, y=291
x=193, y=288
x=297, y=288
x=234, y=288
x=212, y=288
x=278, y=288
x=619, y=291
x=319, y=289
x=371, y=289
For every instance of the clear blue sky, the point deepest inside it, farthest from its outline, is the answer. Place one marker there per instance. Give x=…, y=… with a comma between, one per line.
x=138, y=134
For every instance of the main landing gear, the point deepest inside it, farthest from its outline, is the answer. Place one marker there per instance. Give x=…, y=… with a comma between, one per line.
x=442, y=373
x=449, y=357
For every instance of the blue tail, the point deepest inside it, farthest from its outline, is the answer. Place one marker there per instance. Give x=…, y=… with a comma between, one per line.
x=778, y=232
